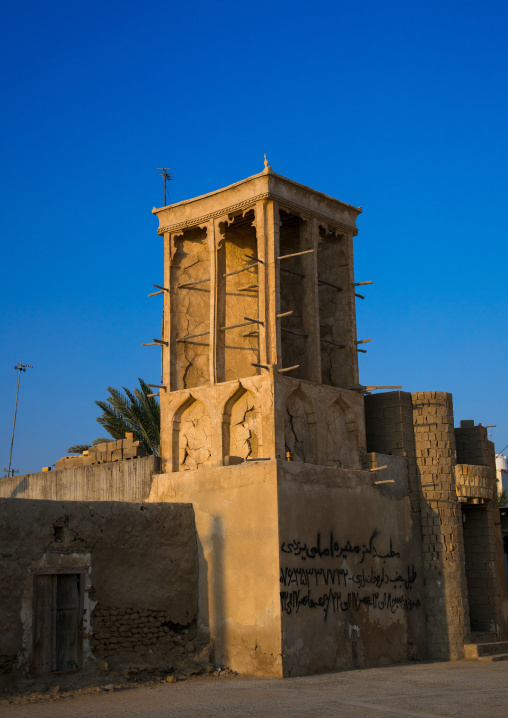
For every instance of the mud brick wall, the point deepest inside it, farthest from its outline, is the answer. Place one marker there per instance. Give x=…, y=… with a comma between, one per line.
x=475, y=482
x=473, y=445
x=389, y=427
x=126, y=630
x=443, y=543
x=128, y=448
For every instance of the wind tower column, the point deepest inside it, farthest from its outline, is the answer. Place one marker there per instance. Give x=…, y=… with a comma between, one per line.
x=267, y=225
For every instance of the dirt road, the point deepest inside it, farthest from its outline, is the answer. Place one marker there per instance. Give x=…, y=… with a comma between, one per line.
x=465, y=689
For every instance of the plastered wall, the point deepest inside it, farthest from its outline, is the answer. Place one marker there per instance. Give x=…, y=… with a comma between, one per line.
x=236, y=521
x=351, y=577
x=137, y=560
x=270, y=606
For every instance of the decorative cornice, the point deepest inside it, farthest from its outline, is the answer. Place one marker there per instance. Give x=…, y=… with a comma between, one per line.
x=284, y=203
x=310, y=213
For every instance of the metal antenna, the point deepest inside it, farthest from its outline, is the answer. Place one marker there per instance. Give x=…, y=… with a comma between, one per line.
x=13, y=471
x=167, y=177
x=490, y=426
x=19, y=368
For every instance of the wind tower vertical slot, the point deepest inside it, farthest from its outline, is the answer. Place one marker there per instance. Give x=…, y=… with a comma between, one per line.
x=297, y=291
x=238, y=298
x=190, y=310
x=338, y=349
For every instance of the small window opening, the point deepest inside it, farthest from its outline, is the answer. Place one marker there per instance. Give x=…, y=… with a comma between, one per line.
x=58, y=534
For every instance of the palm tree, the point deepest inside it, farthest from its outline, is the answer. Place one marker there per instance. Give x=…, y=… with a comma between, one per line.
x=133, y=411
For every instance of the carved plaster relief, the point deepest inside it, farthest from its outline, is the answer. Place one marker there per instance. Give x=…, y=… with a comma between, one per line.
x=194, y=437
x=242, y=426
x=341, y=435
x=299, y=427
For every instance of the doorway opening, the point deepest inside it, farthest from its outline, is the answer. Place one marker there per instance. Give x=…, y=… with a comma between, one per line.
x=480, y=557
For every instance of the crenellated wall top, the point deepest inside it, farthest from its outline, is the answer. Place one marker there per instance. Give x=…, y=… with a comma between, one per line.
x=266, y=185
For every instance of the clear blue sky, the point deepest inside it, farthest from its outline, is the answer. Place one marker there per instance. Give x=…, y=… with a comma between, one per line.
x=398, y=107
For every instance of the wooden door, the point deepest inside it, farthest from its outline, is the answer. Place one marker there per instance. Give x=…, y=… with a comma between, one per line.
x=43, y=620
x=57, y=624
x=67, y=629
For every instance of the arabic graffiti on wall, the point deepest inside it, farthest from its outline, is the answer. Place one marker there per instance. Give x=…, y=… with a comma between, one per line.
x=316, y=587
x=292, y=601
x=343, y=577
x=331, y=547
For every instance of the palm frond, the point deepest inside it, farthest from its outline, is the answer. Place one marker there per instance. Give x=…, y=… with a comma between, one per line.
x=101, y=440
x=78, y=448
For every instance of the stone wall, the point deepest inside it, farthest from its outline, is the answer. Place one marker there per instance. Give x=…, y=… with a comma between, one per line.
x=127, y=630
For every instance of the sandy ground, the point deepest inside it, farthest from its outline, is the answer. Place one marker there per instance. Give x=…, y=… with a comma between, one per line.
x=468, y=689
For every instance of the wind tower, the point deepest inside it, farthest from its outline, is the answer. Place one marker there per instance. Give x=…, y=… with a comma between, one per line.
x=261, y=407
x=259, y=294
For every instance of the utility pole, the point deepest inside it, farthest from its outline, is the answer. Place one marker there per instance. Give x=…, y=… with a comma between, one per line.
x=19, y=368
x=167, y=178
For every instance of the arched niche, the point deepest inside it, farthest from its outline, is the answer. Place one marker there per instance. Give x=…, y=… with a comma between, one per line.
x=191, y=436
x=300, y=427
x=341, y=435
x=241, y=426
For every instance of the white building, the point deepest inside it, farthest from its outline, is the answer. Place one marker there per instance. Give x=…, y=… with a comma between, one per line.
x=502, y=472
